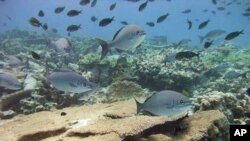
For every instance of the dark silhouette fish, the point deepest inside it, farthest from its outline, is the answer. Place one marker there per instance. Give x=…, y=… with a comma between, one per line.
x=41, y=13
x=35, y=22
x=59, y=9
x=203, y=24
x=185, y=54
x=84, y=2
x=74, y=12
x=9, y=82
x=162, y=18
x=73, y=28
x=248, y=91
x=186, y=11
x=105, y=21
x=208, y=44
x=189, y=24
x=165, y=103
x=246, y=14
x=124, y=22
x=233, y=35
x=93, y=3
x=221, y=8
x=132, y=0
x=93, y=18
x=35, y=55
x=151, y=24
x=45, y=26
x=54, y=30
x=112, y=6
x=214, y=2
x=142, y=6
x=9, y=18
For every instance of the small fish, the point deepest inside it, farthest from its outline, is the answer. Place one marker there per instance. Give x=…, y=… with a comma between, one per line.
x=35, y=55
x=208, y=44
x=112, y=6
x=41, y=13
x=214, y=2
x=54, y=30
x=15, y=62
x=45, y=26
x=185, y=54
x=105, y=21
x=165, y=103
x=9, y=82
x=189, y=24
x=35, y=22
x=132, y=0
x=248, y=9
x=61, y=45
x=73, y=28
x=186, y=11
x=246, y=14
x=211, y=35
x=203, y=24
x=93, y=3
x=9, y=18
x=143, y=6
x=151, y=24
x=213, y=12
x=59, y=9
x=93, y=18
x=221, y=8
x=126, y=38
x=124, y=22
x=248, y=91
x=247, y=113
x=233, y=35
x=84, y=2
x=72, y=13
x=69, y=81
x=162, y=18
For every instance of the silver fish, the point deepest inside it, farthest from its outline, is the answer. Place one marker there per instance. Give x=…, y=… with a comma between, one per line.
x=126, y=39
x=212, y=34
x=9, y=82
x=61, y=45
x=69, y=81
x=166, y=103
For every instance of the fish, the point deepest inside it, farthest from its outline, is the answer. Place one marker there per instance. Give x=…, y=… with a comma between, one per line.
x=9, y=82
x=54, y=30
x=233, y=75
x=143, y=6
x=186, y=11
x=208, y=44
x=69, y=81
x=151, y=24
x=246, y=14
x=203, y=24
x=183, y=42
x=61, y=45
x=247, y=113
x=9, y=18
x=132, y=0
x=15, y=62
x=112, y=6
x=221, y=8
x=72, y=13
x=93, y=18
x=213, y=12
x=165, y=103
x=126, y=38
x=189, y=24
x=35, y=55
x=35, y=22
x=73, y=28
x=248, y=9
x=233, y=35
x=84, y=2
x=124, y=22
x=59, y=9
x=41, y=13
x=93, y=3
x=185, y=54
x=105, y=21
x=45, y=26
x=214, y=2
x=248, y=91
x=162, y=18
x=211, y=35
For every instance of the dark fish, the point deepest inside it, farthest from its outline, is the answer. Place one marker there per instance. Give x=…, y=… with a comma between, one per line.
x=9, y=18
x=185, y=54
x=93, y=3
x=248, y=91
x=203, y=24
x=189, y=24
x=132, y=0
x=142, y=6
x=124, y=22
x=84, y=2
x=214, y=2
x=40, y=13
x=54, y=30
x=247, y=113
x=35, y=22
x=205, y=10
x=35, y=55
x=105, y=21
x=162, y=18
x=233, y=35
x=112, y=6
x=221, y=8
x=213, y=12
x=208, y=44
x=186, y=11
x=74, y=12
x=247, y=10
x=151, y=24
x=246, y=14
x=59, y=9
x=45, y=26
x=228, y=13
x=9, y=82
x=165, y=103
x=72, y=28
x=93, y=18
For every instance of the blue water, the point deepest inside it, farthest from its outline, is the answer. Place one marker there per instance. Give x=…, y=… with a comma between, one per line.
x=175, y=27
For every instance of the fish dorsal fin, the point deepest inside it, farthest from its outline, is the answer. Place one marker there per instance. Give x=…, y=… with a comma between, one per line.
x=117, y=33
x=150, y=97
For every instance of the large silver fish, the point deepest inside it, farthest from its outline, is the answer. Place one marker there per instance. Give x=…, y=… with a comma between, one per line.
x=69, y=81
x=165, y=103
x=126, y=39
x=212, y=34
x=9, y=82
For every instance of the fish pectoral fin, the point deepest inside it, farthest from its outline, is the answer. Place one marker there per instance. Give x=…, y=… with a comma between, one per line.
x=105, y=47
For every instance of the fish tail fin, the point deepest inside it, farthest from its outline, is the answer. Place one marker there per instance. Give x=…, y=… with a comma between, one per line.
x=105, y=47
x=201, y=38
x=138, y=105
x=79, y=26
x=242, y=31
x=113, y=18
